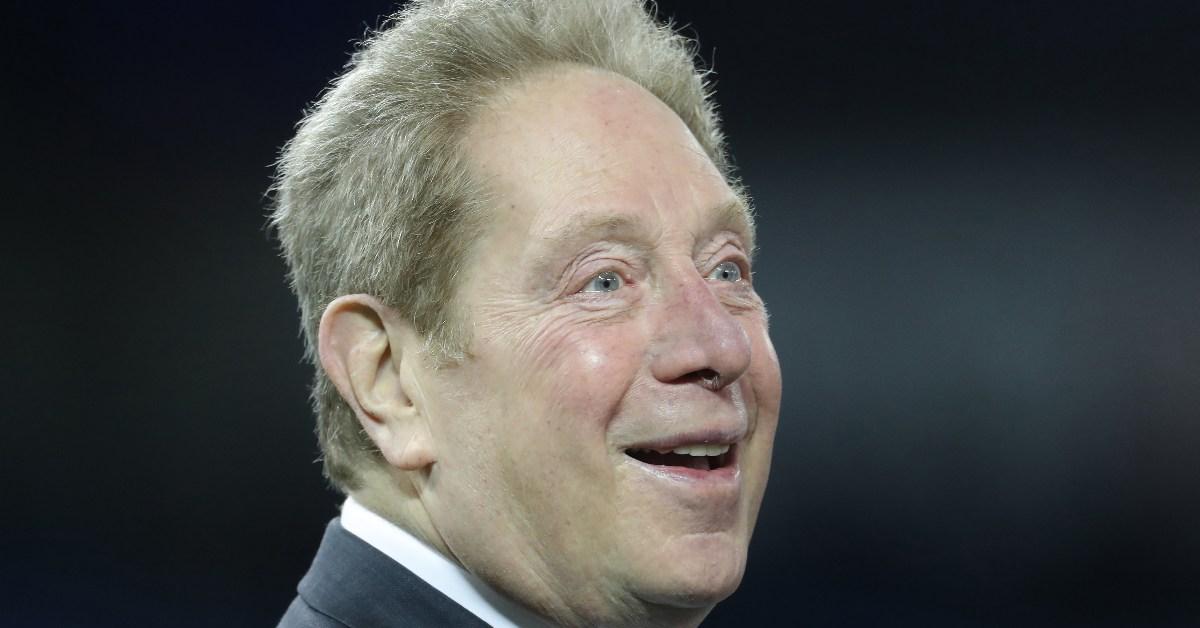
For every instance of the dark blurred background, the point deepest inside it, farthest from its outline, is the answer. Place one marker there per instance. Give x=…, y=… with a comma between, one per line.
x=980, y=243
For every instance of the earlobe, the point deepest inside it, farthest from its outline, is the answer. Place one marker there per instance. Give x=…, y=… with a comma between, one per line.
x=368, y=352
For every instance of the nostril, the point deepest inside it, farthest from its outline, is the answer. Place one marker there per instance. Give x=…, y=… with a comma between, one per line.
x=707, y=377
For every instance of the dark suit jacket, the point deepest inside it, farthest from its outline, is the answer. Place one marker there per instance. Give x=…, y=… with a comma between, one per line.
x=354, y=585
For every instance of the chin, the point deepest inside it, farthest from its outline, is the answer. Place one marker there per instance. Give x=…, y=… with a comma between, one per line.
x=697, y=573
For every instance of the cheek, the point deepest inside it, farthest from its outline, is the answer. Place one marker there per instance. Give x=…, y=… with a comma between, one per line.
x=765, y=388
x=764, y=373
x=563, y=385
x=571, y=369
x=605, y=367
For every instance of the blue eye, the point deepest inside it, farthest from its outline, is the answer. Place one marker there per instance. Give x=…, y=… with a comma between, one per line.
x=607, y=281
x=726, y=271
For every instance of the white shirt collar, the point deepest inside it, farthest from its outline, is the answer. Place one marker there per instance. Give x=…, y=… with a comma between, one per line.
x=440, y=572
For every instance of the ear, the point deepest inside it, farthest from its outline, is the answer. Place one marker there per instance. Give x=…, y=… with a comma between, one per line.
x=369, y=352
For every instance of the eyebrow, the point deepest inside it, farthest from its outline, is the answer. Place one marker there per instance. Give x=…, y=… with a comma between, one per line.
x=734, y=215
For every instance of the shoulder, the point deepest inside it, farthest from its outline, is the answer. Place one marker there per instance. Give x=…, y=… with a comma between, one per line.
x=352, y=584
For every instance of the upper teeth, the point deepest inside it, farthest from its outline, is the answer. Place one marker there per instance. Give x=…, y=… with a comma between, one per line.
x=701, y=450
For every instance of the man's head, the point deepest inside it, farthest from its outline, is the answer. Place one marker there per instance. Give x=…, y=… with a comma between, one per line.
x=585, y=419
x=372, y=195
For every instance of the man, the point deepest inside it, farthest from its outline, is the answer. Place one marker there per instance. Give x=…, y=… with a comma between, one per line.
x=544, y=378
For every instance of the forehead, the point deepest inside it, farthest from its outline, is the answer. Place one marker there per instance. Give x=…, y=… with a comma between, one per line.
x=576, y=147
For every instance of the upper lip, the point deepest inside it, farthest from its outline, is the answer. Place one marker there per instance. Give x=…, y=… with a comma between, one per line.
x=711, y=436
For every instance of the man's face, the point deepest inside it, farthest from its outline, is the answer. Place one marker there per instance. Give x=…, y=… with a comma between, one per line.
x=614, y=321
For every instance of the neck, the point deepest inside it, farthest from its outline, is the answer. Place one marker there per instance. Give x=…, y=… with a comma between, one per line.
x=394, y=497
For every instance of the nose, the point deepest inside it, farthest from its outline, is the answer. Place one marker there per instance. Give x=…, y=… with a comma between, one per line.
x=698, y=339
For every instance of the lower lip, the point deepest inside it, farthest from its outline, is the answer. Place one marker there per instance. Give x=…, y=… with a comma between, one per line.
x=726, y=476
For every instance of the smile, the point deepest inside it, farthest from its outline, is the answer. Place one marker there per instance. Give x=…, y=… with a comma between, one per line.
x=700, y=457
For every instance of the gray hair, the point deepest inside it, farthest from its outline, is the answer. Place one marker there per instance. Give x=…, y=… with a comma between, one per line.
x=372, y=194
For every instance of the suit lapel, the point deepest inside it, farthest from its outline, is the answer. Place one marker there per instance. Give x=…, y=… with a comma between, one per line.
x=362, y=587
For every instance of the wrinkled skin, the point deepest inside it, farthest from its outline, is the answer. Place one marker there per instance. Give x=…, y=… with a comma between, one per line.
x=606, y=315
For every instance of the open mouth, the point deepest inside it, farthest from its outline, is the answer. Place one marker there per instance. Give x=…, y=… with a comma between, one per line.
x=700, y=457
